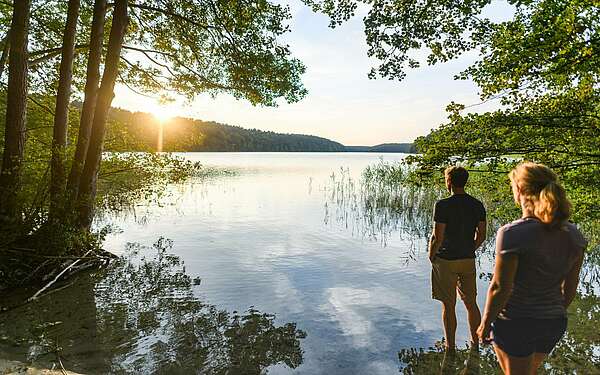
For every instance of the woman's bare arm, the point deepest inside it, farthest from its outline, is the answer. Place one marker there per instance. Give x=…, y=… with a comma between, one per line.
x=501, y=286
x=569, y=286
x=500, y=289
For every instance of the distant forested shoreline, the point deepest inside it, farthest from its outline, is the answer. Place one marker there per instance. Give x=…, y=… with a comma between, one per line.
x=139, y=131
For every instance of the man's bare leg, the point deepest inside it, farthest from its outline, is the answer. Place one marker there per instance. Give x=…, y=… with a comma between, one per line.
x=449, y=319
x=474, y=320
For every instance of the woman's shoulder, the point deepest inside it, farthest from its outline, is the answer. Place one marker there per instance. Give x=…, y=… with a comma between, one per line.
x=529, y=228
x=515, y=236
x=576, y=236
x=518, y=225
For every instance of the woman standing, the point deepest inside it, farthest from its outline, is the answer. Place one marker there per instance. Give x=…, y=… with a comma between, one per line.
x=538, y=259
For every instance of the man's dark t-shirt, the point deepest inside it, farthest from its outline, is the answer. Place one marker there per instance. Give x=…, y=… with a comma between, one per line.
x=461, y=213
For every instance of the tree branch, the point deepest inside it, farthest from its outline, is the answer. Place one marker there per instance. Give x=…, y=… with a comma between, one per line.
x=172, y=14
x=134, y=66
x=192, y=71
x=145, y=52
x=51, y=53
x=123, y=81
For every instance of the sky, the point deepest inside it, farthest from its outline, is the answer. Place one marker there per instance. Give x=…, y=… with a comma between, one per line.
x=342, y=104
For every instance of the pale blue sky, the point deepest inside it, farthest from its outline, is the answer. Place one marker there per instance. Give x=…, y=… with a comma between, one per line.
x=342, y=103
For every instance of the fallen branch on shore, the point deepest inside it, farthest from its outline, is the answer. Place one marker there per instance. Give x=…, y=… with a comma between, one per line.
x=46, y=267
x=35, y=296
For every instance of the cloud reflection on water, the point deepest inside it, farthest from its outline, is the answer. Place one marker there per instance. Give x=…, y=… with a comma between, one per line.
x=260, y=239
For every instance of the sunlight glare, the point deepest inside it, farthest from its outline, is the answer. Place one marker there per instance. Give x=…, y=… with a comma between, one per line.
x=162, y=114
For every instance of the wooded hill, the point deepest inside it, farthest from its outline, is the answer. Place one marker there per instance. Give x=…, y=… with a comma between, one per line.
x=407, y=148
x=138, y=131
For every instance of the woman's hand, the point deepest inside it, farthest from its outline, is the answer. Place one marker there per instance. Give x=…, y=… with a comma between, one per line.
x=484, y=333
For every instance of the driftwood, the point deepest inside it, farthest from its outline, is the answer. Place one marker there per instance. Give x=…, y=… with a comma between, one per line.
x=35, y=296
x=53, y=268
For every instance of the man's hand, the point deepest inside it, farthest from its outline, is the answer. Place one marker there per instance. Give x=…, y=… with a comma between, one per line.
x=480, y=233
x=436, y=240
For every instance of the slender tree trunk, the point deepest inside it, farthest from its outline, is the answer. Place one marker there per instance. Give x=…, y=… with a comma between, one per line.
x=61, y=114
x=4, y=56
x=16, y=106
x=89, y=101
x=89, y=176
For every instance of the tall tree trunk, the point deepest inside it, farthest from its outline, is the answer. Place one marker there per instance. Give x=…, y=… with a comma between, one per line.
x=16, y=107
x=61, y=114
x=89, y=101
x=89, y=176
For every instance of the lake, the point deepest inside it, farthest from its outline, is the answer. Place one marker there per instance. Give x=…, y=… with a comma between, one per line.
x=263, y=269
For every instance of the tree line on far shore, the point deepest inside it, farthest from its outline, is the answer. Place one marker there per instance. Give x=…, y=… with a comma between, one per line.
x=139, y=131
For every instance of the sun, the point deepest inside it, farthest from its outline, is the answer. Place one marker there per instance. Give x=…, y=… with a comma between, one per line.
x=162, y=114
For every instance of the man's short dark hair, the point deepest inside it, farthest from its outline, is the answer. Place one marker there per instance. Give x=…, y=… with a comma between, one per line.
x=457, y=176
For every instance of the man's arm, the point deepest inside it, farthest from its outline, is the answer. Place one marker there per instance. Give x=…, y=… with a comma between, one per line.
x=436, y=240
x=480, y=233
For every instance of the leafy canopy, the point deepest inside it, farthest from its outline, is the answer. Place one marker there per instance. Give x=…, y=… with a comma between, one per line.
x=185, y=46
x=542, y=65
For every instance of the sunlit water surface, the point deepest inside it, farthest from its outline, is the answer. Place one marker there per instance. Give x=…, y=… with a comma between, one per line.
x=265, y=238
x=270, y=247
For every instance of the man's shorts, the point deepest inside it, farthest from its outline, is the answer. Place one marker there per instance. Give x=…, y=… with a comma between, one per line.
x=448, y=276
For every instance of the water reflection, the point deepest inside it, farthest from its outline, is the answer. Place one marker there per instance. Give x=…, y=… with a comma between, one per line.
x=578, y=352
x=258, y=239
x=436, y=361
x=141, y=316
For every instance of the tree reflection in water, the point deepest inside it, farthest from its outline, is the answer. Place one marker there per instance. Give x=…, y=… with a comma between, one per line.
x=141, y=316
x=435, y=361
x=578, y=352
x=379, y=205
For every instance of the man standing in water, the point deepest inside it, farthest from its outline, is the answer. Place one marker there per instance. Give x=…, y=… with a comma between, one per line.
x=459, y=229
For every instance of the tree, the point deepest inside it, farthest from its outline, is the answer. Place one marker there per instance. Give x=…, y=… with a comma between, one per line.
x=542, y=65
x=198, y=46
x=89, y=175
x=89, y=103
x=16, y=106
x=61, y=114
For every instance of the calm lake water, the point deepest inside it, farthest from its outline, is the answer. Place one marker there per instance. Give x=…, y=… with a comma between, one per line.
x=263, y=270
x=265, y=238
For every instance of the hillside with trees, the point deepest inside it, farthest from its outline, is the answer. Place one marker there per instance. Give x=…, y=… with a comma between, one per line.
x=407, y=148
x=139, y=131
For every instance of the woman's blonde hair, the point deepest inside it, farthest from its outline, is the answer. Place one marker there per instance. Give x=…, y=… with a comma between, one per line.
x=541, y=189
